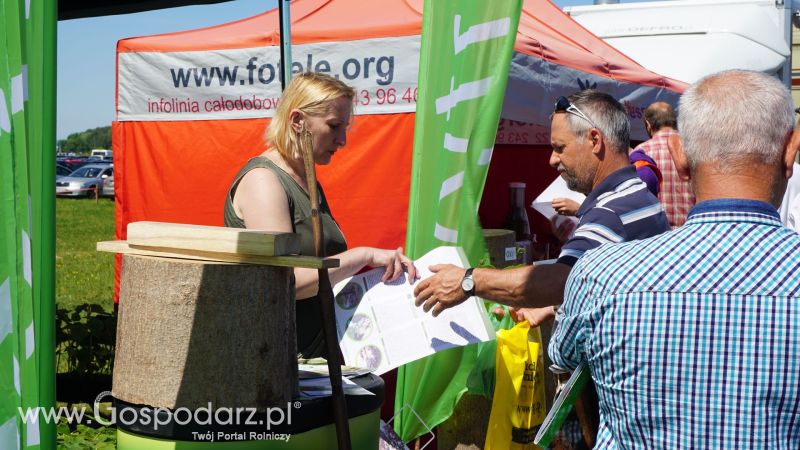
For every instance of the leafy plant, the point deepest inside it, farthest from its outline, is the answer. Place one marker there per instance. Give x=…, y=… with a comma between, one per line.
x=83, y=437
x=85, y=338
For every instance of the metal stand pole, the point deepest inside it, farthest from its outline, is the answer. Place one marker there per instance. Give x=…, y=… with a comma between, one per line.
x=286, y=43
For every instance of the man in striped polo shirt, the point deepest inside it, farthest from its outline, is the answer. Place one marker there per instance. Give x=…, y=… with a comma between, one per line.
x=692, y=336
x=590, y=134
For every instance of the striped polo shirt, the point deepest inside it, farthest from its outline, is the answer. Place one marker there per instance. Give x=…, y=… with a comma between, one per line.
x=692, y=337
x=619, y=209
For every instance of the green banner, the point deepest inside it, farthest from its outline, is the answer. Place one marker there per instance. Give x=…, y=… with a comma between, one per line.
x=26, y=180
x=41, y=30
x=463, y=71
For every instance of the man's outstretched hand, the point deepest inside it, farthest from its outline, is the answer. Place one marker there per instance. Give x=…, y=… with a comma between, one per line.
x=442, y=290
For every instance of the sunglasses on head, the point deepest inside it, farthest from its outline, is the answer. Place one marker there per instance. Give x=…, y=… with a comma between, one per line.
x=563, y=105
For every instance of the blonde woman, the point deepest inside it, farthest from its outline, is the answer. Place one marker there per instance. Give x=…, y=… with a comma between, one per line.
x=271, y=193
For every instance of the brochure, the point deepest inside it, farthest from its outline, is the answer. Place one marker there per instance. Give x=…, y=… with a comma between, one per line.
x=380, y=328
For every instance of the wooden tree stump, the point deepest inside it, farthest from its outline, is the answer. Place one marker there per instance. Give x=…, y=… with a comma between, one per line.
x=466, y=428
x=499, y=241
x=193, y=332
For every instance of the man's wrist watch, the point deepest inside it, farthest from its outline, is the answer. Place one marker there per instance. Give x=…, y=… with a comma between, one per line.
x=467, y=283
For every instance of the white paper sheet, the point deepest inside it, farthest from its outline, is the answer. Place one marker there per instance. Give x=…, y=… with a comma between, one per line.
x=380, y=328
x=557, y=189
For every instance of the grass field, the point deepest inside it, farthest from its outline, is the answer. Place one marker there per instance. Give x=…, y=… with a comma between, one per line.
x=84, y=275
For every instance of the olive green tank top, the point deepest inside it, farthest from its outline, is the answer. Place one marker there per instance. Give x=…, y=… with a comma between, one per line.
x=308, y=311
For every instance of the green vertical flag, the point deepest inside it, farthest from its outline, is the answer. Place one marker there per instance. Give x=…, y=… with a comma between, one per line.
x=464, y=62
x=39, y=58
x=42, y=22
x=39, y=31
x=26, y=310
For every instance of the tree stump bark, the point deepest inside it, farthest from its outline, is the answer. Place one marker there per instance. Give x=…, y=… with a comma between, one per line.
x=497, y=242
x=194, y=332
x=466, y=428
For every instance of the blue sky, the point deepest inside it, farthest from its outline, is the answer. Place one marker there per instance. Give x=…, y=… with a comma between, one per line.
x=86, y=54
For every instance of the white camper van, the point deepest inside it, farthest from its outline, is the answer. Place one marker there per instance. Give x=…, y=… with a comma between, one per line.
x=688, y=39
x=105, y=155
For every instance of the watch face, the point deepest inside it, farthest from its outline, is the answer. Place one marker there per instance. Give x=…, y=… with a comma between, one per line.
x=467, y=284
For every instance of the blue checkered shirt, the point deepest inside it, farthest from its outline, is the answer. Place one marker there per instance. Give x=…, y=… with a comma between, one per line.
x=693, y=336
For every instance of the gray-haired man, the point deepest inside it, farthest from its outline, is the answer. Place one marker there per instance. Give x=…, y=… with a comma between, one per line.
x=692, y=336
x=589, y=133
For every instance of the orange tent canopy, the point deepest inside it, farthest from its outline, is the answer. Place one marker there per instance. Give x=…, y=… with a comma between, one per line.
x=179, y=170
x=544, y=32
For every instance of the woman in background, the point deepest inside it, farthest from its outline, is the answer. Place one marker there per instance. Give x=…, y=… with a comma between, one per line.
x=271, y=193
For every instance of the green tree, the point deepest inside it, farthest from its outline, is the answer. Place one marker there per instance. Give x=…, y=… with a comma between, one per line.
x=85, y=141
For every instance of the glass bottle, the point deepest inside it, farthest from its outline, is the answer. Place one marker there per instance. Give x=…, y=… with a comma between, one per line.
x=517, y=221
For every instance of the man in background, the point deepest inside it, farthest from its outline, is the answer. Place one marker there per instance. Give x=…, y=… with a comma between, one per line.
x=675, y=195
x=691, y=337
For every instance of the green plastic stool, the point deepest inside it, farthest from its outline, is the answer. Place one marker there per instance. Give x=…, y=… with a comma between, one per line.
x=310, y=426
x=363, y=435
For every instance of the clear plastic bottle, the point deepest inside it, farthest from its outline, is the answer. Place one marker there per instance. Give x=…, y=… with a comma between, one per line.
x=517, y=221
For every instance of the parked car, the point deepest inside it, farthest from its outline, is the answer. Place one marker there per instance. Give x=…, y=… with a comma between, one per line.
x=73, y=162
x=108, y=187
x=62, y=170
x=85, y=181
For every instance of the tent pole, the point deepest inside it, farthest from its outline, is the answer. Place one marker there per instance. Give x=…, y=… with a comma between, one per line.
x=286, y=42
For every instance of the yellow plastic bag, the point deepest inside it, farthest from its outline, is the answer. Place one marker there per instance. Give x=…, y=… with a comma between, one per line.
x=518, y=405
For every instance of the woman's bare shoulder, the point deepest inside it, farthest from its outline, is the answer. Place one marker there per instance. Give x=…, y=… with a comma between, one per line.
x=260, y=188
x=259, y=181
x=259, y=175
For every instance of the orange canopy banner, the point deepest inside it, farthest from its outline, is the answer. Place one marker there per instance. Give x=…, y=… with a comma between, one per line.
x=192, y=106
x=183, y=171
